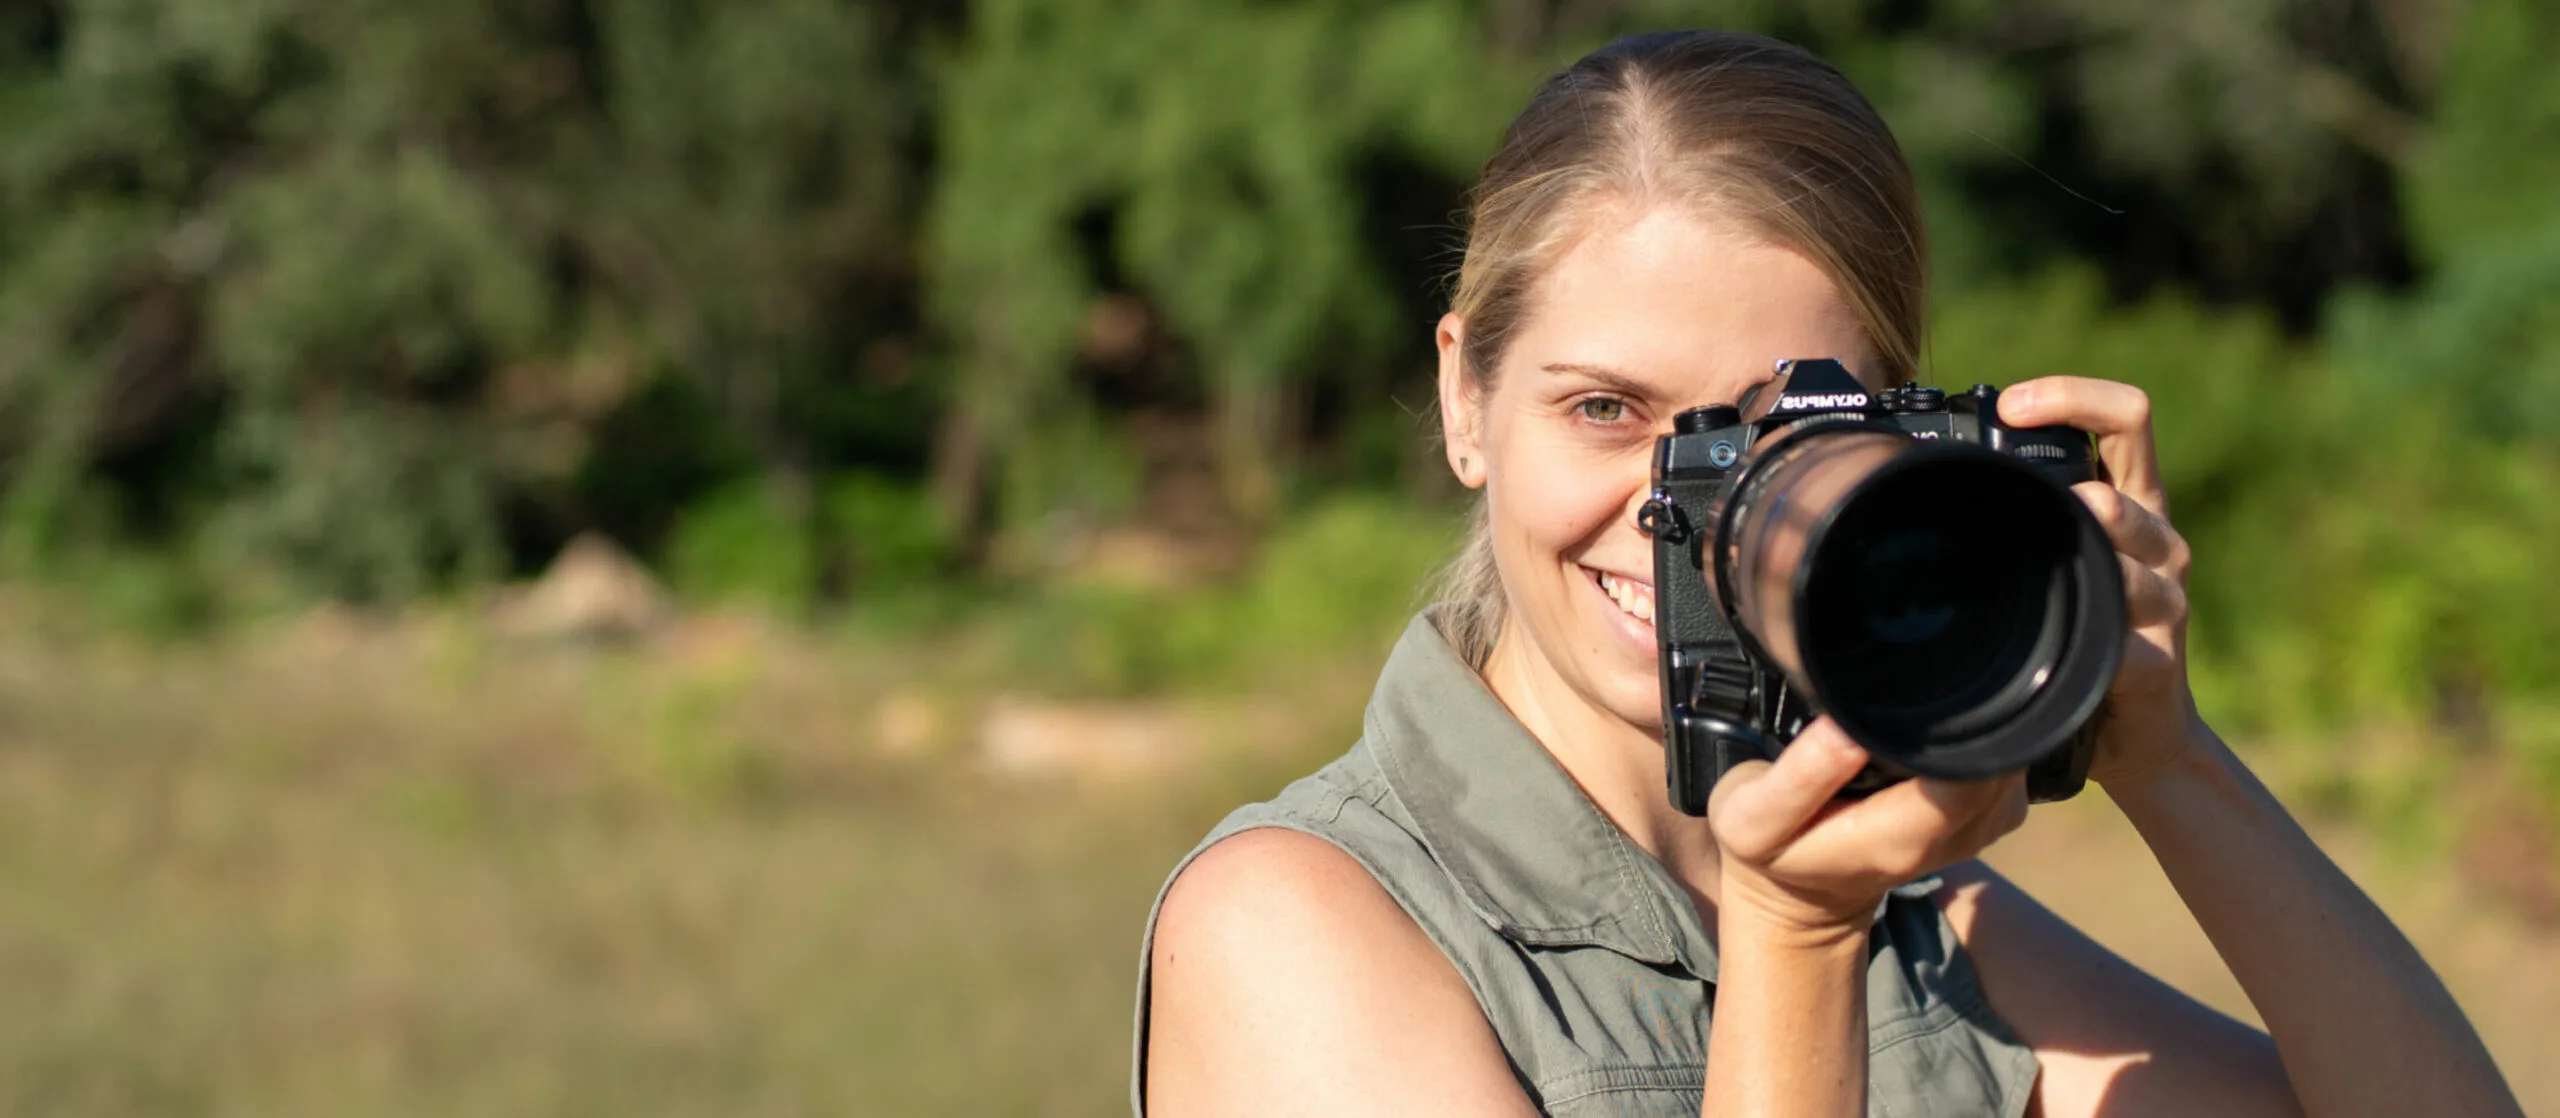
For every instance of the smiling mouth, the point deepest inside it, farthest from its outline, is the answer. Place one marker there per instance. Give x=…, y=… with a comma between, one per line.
x=1636, y=598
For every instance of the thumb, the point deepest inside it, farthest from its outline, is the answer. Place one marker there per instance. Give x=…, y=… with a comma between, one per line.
x=1760, y=805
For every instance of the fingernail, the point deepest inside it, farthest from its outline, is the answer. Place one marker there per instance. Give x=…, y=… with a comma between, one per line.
x=2019, y=398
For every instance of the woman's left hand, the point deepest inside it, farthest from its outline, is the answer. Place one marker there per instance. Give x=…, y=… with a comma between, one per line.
x=2152, y=715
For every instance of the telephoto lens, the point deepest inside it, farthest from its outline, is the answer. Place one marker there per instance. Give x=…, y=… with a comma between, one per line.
x=1956, y=611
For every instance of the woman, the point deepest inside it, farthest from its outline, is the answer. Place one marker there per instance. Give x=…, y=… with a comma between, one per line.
x=1488, y=907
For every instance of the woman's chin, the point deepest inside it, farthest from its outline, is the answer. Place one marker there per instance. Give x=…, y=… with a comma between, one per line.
x=1639, y=705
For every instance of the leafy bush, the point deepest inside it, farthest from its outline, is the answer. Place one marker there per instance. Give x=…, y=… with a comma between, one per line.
x=2366, y=521
x=1342, y=575
x=1340, y=578
x=889, y=532
x=740, y=546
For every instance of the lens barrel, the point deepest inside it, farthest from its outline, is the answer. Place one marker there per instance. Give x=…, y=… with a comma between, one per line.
x=1957, y=612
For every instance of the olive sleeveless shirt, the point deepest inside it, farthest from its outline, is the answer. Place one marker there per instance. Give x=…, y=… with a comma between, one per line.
x=1589, y=960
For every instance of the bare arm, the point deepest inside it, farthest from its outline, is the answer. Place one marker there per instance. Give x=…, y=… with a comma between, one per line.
x=2111, y=1039
x=1790, y=1033
x=1286, y=982
x=2360, y=1024
x=1801, y=874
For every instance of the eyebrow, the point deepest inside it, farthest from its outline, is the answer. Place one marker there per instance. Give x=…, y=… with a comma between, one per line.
x=1613, y=379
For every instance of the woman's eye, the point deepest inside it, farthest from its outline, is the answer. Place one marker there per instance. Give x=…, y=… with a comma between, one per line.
x=1602, y=409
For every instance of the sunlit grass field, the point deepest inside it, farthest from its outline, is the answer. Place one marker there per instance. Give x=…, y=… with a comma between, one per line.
x=413, y=872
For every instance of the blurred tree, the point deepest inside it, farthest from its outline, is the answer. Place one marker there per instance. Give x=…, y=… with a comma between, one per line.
x=2435, y=569
x=1220, y=147
x=2488, y=171
x=416, y=255
x=369, y=297
x=2242, y=148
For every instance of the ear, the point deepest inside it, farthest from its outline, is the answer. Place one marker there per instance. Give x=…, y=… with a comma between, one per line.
x=1461, y=412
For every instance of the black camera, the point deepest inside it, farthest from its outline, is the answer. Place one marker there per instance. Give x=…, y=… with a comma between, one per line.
x=1903, y=562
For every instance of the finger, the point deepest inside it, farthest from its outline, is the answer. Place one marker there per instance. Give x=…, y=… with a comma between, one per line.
x=1760, y=806
x=2004, y=812
x=2150, y=598
x=1897, y=833
x=2133, y=529
x=2118, y=414
x=1991, y=826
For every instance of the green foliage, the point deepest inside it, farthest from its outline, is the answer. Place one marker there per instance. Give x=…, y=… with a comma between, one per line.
x=413, y=256
x=2442, y=440
x=1085, y=470
x=815, y=302
x=1208, y=135
x=447, y=250
x=1342, y=574
x=2427, y=590
x=2211, y=375
x=1339, y=578
x=152, y=594
x=2488, y=168
x=741, y=545
x=891, y=533
x=2480, y=346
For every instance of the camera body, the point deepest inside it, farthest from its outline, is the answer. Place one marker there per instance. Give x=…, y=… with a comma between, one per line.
x=1770, y=528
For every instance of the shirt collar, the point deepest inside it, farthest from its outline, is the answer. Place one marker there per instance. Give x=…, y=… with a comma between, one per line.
x=1534, y=857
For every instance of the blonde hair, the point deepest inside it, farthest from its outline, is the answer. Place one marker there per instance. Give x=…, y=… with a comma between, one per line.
x=1751, y=129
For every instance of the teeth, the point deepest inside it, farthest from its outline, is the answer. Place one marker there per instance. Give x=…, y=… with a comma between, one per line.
x=1633, y=597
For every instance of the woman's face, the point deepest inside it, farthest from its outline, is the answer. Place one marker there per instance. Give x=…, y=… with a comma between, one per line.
x=1648, y=314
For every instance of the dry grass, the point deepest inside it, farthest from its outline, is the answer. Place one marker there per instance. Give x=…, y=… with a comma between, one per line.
x=336, y=868
x=355, y=874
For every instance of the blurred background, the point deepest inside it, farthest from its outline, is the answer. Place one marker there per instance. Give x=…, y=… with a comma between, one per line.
x=706, y=556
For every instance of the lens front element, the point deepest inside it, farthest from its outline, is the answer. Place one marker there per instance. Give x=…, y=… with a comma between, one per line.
x=1959, y=614
x=1938, y=600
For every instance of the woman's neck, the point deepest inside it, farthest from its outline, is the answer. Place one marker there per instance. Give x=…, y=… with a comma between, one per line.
x=1618, y=765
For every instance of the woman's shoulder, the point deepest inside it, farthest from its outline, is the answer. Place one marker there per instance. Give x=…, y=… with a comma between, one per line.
x=1345, y=806
x=1336, y=827
x=1278, y=955
x=1303, y=877
x=1273, y=894
x=1298, y=849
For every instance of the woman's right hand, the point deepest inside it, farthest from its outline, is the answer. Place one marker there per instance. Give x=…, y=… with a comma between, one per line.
x=1792, y=854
